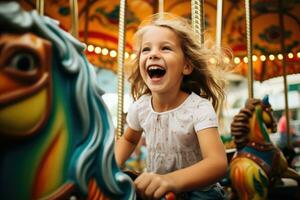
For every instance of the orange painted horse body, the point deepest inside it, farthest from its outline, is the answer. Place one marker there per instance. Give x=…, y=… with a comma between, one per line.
x=257, y=163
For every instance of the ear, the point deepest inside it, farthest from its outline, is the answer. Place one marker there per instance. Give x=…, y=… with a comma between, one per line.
x=187, y=69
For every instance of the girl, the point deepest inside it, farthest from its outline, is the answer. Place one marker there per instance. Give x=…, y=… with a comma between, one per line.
x=175, y=92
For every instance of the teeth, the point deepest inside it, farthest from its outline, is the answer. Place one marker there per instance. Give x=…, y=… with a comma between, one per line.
x=154, y=67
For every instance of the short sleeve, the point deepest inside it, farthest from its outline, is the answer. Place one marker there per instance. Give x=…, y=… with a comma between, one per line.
x=205, y=116
x=132, y=118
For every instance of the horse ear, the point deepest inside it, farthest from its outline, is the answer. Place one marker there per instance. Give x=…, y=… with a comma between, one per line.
x=265, y=100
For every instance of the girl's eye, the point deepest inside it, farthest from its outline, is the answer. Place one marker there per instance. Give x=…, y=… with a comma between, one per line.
x=145, y=49
x=166, y=48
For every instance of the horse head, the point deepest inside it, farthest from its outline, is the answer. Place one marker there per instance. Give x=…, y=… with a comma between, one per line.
x=56, y=134
x=254, y=122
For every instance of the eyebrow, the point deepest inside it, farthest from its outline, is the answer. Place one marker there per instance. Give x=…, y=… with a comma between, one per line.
x=163, y=42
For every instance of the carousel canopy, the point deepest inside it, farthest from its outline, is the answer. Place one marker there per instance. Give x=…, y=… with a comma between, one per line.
x=98, y=28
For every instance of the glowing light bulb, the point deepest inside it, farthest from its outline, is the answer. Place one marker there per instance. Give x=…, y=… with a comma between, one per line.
x=237, y=60
x=263, y=58
x=212, y=61
x=90, y=48
x=271, y=57
x=105, y=51
x=280, y=56
x=226, y=60
x=126, y=55
x=97, y=50
x=113, y=53
x=132, y=56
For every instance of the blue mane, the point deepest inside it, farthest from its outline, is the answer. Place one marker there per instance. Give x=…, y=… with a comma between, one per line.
x=93, y=131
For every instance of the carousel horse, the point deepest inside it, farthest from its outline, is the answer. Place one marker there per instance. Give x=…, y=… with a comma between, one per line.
x=56, y=135
x=258, y=163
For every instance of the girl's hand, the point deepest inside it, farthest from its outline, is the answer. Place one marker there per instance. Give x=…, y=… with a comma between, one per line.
x=154, y=186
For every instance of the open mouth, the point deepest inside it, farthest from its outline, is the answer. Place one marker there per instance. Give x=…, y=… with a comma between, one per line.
x=156, y=71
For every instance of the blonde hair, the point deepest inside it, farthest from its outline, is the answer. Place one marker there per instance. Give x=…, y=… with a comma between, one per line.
x=203, y=79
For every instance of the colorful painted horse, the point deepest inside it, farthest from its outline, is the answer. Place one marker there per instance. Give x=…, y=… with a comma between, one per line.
x=258, y=163
x=56, y=135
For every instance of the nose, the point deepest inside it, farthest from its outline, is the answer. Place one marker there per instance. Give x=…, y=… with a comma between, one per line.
x=151, y=57
x=154, y=55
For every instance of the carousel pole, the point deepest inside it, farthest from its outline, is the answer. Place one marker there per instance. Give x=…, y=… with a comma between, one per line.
x=219, y=24
x=40, y=7
x=282, y=45
x=198, y=19
x=158, y=7
x=74, y=18
x=161, y=7
x=249, y=47
x=121, y=49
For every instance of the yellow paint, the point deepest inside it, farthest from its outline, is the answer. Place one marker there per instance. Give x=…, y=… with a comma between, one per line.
x=266, y=117
x=22, y=116
x=242, y=171
x=50, y=174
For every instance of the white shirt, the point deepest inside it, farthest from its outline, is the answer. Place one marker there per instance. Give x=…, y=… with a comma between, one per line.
x=171, y=135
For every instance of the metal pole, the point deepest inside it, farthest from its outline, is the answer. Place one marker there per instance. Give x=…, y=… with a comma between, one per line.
x=219, y=24
x=40, y=7
x=282, y=45
x=74, y=17
x=161, y=7
x=249, y=47
x=218, y=46
x=198, y=19
x=121, y=49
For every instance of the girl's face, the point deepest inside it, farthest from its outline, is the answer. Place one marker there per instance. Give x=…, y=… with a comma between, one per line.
x=161, y=62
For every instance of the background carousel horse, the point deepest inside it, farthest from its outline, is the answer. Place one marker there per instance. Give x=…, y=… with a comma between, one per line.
x=258, y=163
x=56, y=135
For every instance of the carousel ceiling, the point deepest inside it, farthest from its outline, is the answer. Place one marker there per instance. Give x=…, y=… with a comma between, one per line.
x=98, y=28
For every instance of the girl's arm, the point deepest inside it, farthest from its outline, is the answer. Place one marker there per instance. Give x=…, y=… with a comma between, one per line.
x=126, y=144
x=204, y=173
x=209, y=170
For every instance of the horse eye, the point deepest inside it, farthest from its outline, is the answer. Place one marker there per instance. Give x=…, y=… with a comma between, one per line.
x=24, y=62
x=269, y=109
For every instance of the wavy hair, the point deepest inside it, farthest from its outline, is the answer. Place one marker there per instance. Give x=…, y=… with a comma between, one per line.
x=205, y=79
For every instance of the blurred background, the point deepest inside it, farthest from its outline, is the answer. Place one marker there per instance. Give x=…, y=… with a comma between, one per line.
x=98, y=29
